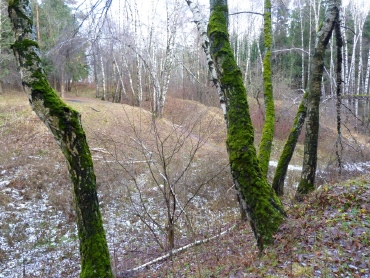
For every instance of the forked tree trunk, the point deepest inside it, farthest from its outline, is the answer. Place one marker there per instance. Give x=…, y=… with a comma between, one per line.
x=307, y=182
x=263, y=207
x=65, y=125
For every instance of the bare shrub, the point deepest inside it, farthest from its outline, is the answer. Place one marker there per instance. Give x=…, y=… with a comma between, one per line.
x=172, y=175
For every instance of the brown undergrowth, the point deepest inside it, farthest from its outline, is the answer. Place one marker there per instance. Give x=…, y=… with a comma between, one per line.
x=326, y=236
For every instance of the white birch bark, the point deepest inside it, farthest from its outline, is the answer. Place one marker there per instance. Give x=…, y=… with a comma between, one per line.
x=359, y=16
x=167, y=67
x=332, y=68
x=1, y=26
x=202, y=30
x=95, y=68
x=104, y=97
x=62, y=89
x=367, y=75
x=128, y=71
x=119, y=76
x=360, y=64
x=345, y=54
x=309, y=45
x=352, y=67
x=139, y=89
x=302, y=44
x=366, y=88
x=1, y=23
x=316, y=13
x=181, y=249
x=247, y=62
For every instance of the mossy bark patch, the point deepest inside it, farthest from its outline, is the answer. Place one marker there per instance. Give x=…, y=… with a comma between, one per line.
x=262, y=205
x=287, y=153
x=65, y=125
x=264, y=152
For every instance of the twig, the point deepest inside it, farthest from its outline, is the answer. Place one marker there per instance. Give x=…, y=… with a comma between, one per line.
x=246, y=13
x=94, y=109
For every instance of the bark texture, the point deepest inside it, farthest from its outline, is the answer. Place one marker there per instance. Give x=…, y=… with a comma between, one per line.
x=286, y=155
x=307, y=182
x=202, y=30
x=263, y=207
x=65, y=125
x=338, y=143
x=269, y=125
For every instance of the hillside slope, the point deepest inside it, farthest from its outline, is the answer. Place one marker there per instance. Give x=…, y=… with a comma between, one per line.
x=326, y=236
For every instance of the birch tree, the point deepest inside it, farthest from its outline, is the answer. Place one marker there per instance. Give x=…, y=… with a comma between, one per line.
x=1, y=31
x=339, y=81
x=65, y=125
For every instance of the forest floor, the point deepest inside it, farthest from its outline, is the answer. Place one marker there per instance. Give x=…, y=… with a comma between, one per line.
x=327, y=235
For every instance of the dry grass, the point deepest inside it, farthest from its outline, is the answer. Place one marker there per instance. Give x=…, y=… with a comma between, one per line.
x=32, y=162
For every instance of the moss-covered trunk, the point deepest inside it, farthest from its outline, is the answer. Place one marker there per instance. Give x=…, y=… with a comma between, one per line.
x=287, y=153
x=307, y=182
x=260, y=201
x=65, y=125
x=269, y=125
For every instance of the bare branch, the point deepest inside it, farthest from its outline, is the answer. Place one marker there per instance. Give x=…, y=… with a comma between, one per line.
x=246, y=13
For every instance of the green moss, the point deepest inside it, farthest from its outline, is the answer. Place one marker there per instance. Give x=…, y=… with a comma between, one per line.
x=304, y=187
x=287, y=153
x=264, y=207
x=313, y=101
x=24, y=44
x=269, y=125
x=16, y=6
x=320, y=26
x=65, y=124
x=267, y=26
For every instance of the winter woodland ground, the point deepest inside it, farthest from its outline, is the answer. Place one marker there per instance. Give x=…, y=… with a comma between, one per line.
x=328, y=235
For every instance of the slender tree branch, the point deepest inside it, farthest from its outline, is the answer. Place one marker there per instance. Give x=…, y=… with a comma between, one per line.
x=246, y=13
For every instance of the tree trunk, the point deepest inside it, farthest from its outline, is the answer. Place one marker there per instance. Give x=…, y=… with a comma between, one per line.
x=339, y=80
x=302, y=44
x=37, y=24
x=260, y=201
x=95, y=68
x=62, y=82
x=104, y=84
x=286, y=155
x=269, y=125
x=367, y=75
x=202, y=30
x=65, y=125
x=307, y=181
